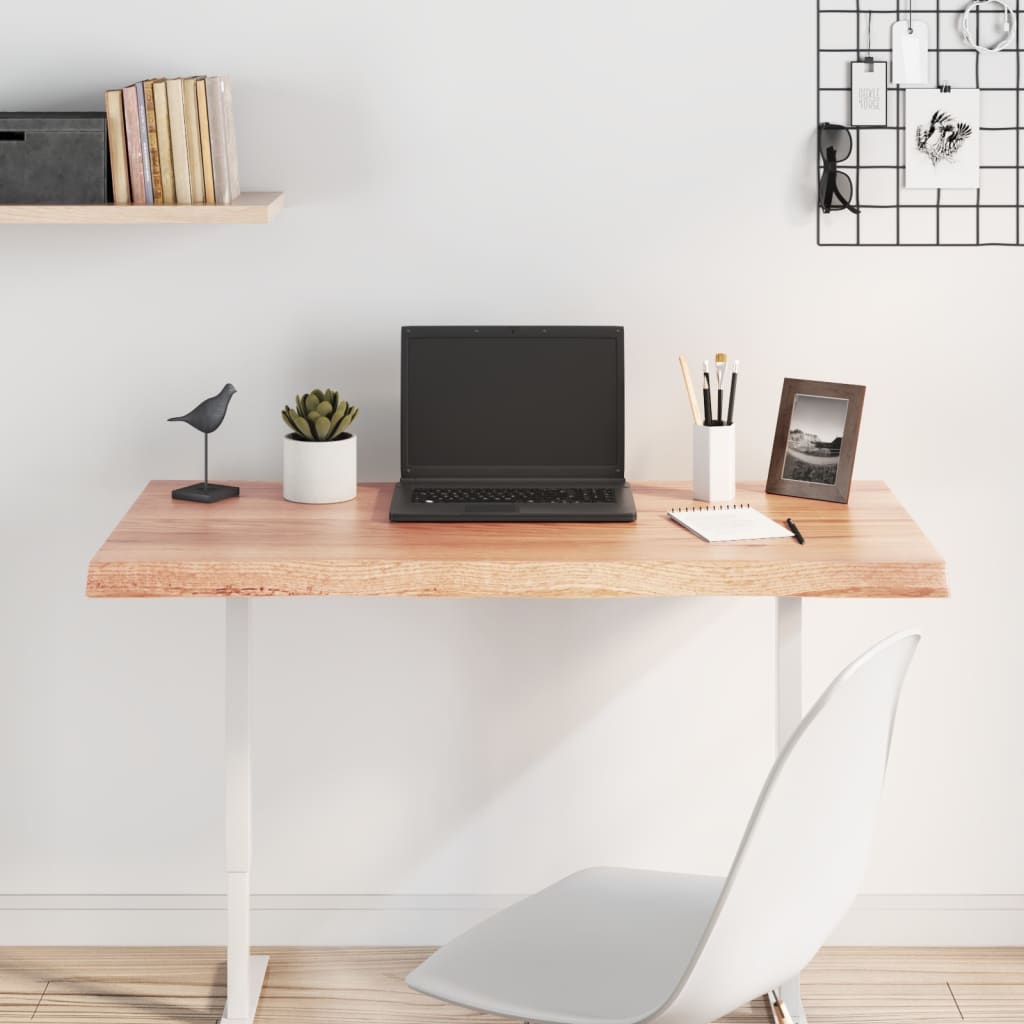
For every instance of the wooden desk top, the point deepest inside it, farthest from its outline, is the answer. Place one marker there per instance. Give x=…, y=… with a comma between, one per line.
x=262, y=546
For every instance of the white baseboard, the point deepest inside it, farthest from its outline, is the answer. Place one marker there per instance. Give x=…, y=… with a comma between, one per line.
x=415, y=920
x=952, y=920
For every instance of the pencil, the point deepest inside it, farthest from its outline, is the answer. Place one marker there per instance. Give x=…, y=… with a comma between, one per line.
x=690, y=394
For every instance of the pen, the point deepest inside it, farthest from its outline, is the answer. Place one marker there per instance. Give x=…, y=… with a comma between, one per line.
x=732, y=391
x=708, y=419
x=796, y=533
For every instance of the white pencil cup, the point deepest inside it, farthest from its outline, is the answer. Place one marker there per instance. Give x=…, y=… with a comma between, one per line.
x=714, y=464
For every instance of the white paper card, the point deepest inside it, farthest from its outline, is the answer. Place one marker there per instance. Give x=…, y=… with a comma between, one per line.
x=942, y=138
x=869, y=93
x=910, y=53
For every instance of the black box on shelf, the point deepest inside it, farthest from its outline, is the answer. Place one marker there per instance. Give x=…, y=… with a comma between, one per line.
x=58, y=158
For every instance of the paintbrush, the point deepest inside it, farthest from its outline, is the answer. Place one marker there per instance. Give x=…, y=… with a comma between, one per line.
x=708, y=419
x=732, y=391
x=721, y=363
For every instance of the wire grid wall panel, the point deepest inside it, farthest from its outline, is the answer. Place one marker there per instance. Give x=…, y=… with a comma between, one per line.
x=892, y=214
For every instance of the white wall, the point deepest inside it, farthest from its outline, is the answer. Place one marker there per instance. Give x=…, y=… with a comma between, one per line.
x=649, y=164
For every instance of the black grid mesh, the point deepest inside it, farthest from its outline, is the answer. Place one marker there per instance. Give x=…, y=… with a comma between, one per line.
x=890, y=213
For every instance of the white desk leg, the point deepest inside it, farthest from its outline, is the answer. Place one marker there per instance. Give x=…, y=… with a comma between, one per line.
x=244, y=972
x=789, y=669
x=788, y=712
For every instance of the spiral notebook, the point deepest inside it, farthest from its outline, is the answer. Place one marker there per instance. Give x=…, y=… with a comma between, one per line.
x=729, y=523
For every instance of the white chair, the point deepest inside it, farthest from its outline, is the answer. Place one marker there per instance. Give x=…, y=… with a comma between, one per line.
x=620, y=946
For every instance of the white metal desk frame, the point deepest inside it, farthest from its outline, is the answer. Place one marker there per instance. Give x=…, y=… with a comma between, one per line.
x=245, y=973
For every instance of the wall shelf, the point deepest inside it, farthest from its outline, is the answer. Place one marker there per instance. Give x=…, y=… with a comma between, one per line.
x=248, y=208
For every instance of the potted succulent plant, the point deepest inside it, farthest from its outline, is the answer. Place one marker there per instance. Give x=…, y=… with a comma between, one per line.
x=319, y=453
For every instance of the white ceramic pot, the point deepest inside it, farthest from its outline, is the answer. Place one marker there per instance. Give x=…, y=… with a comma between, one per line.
x=320, y=472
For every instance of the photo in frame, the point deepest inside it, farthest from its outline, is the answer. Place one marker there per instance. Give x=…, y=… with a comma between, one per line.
x=816, y=440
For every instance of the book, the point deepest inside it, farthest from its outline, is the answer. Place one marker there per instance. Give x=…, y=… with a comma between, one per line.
x=118, y=147
x=716, y=523
x=204, y=139
x=163, y=136
x=133, y=144
x=218, y=137
x=179, y=147
x=193, y=144
x=147, y=167
x=234, y=189
x=154, y=147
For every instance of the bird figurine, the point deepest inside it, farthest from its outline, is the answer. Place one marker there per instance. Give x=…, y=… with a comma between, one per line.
x=206, y=417
x=209, y=414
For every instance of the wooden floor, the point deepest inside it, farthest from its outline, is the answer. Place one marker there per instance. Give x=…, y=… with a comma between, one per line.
x=364, y=986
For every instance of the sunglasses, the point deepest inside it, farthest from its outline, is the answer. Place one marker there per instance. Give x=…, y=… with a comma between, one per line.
x=835, y=190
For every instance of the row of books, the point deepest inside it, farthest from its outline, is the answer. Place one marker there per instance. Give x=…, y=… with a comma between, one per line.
x=172, y=140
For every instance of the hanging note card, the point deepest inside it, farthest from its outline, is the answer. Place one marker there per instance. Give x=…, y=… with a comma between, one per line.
x=869, y=93
x=910, y=53
x=943, y=148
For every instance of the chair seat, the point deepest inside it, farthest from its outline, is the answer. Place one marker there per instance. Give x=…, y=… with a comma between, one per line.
x=603, y=946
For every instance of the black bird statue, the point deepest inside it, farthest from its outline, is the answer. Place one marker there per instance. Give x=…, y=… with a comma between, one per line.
x=206, y=417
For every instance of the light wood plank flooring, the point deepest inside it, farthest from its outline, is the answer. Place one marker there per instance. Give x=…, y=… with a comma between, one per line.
x=364, y=986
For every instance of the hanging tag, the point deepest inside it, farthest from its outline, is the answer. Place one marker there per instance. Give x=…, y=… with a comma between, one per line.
x=910, y=53
x=869, y=93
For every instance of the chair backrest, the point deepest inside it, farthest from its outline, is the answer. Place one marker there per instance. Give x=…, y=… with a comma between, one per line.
x=803, y=856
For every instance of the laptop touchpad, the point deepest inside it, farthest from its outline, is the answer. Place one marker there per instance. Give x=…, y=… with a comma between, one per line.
x=492, y=507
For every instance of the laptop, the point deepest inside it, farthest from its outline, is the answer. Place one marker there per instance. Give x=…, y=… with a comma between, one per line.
x=512, y=424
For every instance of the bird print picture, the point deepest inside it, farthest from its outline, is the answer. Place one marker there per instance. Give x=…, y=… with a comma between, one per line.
x=942, y=138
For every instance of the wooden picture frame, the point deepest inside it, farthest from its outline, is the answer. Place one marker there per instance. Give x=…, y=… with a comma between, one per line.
x=815, y=440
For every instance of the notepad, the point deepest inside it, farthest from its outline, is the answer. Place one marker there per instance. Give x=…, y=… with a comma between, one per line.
x=729, y=523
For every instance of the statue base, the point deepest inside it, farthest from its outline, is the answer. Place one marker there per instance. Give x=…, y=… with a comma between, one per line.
x=206, y=493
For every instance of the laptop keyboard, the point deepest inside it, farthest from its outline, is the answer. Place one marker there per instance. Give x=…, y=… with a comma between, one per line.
x=514, y=495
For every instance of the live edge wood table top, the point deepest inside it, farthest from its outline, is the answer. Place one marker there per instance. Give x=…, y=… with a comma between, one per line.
x=260, y=545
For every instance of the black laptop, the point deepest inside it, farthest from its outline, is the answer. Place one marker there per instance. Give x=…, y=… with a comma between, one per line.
x=512, y=424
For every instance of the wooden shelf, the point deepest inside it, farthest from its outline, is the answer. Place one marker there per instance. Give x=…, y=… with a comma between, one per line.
x=248, y=208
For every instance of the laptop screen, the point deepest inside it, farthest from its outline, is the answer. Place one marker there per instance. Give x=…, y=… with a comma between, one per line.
x=512, y=402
